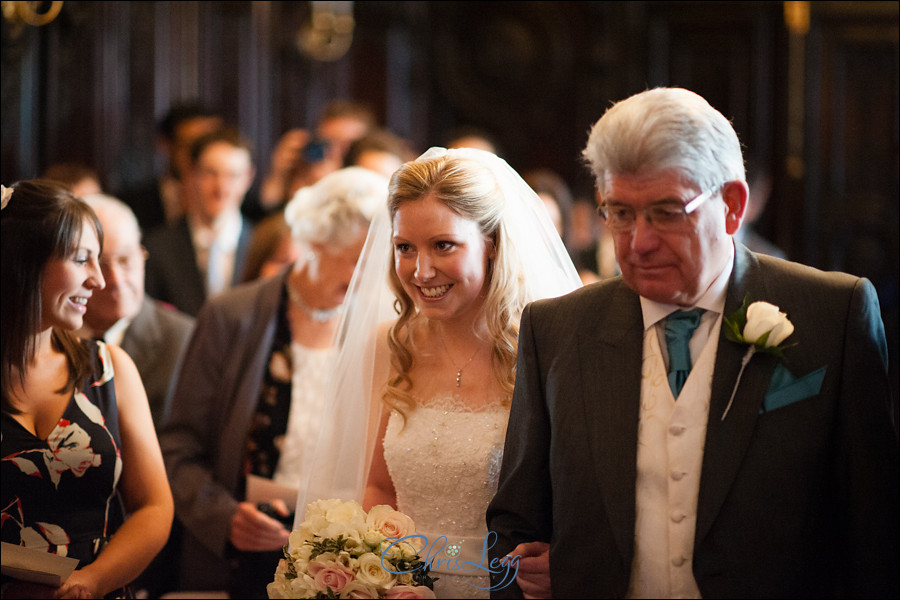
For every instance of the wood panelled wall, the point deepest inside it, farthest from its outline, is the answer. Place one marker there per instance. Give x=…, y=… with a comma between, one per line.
x=816, y=106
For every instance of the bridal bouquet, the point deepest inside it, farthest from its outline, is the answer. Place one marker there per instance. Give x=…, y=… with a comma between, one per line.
x=339, y=551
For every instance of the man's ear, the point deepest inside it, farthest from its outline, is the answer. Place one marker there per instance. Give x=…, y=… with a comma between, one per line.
x=735, y=194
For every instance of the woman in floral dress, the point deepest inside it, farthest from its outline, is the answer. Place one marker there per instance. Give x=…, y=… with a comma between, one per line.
x=79, y=452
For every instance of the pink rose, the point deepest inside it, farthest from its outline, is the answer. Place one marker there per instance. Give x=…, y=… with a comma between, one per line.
x=391, y=523
x=329, y=574
x=409, y=591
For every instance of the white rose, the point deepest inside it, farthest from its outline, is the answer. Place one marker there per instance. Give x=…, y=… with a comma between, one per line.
x=391, y=523
x=345, y=511
x=372, y=573
x=373, y=538
x=302, y=586
x=331, y=518
x=300, y=557
x=351, y=530
x=279, y=587
x=763, y=318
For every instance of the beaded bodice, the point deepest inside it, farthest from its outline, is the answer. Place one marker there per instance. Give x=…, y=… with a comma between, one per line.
x=445, y=464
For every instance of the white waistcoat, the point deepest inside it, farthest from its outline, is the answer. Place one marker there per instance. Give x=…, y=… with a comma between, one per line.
x=669, y=458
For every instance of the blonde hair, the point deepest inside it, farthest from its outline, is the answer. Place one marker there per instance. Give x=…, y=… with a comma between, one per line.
x=470, y=190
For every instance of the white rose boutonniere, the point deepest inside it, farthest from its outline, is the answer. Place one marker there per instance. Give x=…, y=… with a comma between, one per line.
x=760, y=325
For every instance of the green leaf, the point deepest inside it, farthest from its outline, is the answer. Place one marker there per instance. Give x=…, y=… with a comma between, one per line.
x=736, y=322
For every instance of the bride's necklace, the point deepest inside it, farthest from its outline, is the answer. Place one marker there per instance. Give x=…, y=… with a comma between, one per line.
x=459, y=370
x=319, y=315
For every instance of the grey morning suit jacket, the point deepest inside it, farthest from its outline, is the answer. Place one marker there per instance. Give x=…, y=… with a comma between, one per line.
x=801, y=501
x=156, y=340
x=204, y=438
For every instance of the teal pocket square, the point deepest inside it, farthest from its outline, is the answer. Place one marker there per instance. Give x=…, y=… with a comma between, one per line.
x=786, y=389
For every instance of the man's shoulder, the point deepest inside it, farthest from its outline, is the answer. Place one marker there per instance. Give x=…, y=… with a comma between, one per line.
x=170, y=315
x=164, y=233
x=784, y=272
x=610, y=289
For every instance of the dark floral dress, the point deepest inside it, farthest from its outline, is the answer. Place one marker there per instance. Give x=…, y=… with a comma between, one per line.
x=60, y=494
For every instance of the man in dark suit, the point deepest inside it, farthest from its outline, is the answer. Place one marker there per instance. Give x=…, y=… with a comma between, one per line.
x=644, y=462
x=203, y=253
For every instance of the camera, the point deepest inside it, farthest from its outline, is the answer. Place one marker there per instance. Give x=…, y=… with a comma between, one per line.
x=315, y=150
x=269, y=510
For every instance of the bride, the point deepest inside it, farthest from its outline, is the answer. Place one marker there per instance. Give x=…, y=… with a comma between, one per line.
x=464, y=245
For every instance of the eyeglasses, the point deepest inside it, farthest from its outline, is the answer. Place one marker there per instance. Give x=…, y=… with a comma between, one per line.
x=662, y=216
x=126, y=262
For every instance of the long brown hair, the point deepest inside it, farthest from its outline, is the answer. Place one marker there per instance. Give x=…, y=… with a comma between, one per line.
x=42, y=221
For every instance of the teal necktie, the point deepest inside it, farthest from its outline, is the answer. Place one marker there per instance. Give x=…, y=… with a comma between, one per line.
x=680, y=326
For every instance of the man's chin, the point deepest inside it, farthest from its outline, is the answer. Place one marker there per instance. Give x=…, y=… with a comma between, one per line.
x=658, y=291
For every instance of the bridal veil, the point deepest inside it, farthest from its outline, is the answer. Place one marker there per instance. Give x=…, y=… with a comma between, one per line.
x=346, y=440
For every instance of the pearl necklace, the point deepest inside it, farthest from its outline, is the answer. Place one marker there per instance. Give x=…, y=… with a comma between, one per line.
x=319, y=315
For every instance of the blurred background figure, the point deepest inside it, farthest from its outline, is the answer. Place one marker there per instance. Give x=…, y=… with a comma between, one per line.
x=592, y=246
x=249, y=403
x=557, y=197
x=379, y=150
x=272, y=248
x=160, y=199
x=154, y=334
x=79, y=178
x=302, y=157
x=472, y=137
x=760, y=190
x=202, y=253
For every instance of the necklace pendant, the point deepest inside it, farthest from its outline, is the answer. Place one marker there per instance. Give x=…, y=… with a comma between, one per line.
x=458, y=378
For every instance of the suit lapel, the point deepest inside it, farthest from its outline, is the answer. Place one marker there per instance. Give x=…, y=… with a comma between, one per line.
x=727, y=441
x=240, y=254
x=611, y=400
x=142, y=338
x=188, y=275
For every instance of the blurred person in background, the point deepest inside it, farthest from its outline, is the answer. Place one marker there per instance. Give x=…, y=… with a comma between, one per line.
x=379, y=150
x=301, y=157
x=469, y=136
x=78, y=177
x=202, y=253
x=272, y=247
x=153, y=333
x=249, y=403
x=161, y=199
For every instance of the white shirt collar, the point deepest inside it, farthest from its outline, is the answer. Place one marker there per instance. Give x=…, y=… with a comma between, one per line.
x=114, y=335
x=712, y=300
x=227, y=228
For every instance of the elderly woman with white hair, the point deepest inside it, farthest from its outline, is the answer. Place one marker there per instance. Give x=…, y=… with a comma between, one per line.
x=250, y=397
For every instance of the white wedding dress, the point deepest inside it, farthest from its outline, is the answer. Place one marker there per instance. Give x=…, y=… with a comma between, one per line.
x=445, y=464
